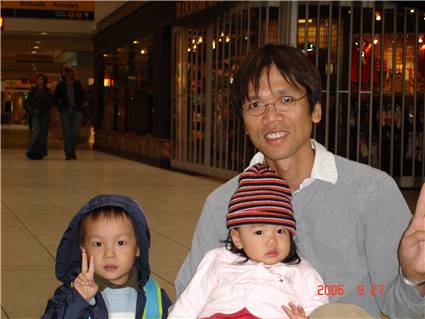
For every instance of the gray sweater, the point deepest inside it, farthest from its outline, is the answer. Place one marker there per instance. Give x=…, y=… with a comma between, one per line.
x=349, y=231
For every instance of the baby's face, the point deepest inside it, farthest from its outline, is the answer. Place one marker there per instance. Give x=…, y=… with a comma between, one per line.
x=113, y=244
x=268, y=244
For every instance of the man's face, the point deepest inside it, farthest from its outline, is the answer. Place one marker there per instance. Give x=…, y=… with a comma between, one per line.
x=113, y=244
x=69, y=75
x=280, y=135
x=40, y=82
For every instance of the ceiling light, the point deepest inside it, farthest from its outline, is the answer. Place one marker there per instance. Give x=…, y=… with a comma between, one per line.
x=36, y=47
x=375, y=41
x=142, y=51
x=377, y=16
x=33, y=52
x=412, y=10
x=136, y=42
x=38, y=42
x=43, y=33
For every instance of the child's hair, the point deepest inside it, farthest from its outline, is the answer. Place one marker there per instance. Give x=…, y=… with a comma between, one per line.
x=291, y=259
x=106, y=212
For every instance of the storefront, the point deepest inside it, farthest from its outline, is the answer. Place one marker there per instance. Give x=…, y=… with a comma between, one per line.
x=132, y=85
x=371, y=57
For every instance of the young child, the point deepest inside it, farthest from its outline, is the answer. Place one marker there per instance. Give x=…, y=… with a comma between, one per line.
x=258, y=274
x=103, y=262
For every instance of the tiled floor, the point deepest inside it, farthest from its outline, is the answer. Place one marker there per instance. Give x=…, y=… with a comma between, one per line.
x=39, y=198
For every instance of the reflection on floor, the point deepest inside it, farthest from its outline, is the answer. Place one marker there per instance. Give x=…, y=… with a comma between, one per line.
x=40, y=197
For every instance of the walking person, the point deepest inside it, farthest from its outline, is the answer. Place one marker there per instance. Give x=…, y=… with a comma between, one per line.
x=38, y=105
x=69, y=98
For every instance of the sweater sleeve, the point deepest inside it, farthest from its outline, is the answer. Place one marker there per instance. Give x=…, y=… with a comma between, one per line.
x=66, y=303
x=387, y=218
x=210, y=232
x=195, y=296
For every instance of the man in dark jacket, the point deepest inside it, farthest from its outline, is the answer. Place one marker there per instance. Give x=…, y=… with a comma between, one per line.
x=69, y=98
x=103, y=262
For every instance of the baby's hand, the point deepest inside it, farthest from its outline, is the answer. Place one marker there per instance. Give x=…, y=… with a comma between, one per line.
x=84, y=283
x=294, y=312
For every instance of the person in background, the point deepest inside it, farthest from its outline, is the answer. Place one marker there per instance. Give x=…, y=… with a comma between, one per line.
x=69, y=97
x=258, y=274
x=103, y=263
x=354, y=225
x=39, y=102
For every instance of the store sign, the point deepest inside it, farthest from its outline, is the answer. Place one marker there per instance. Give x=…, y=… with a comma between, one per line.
x=80, y=10
x=33, y=58
x=17, y=85
x=186, y=8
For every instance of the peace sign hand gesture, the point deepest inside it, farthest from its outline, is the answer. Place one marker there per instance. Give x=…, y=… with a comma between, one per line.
x=84, y=283
x=412, y=245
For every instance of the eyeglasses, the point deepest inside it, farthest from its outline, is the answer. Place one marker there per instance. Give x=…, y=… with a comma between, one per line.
x=282, y=104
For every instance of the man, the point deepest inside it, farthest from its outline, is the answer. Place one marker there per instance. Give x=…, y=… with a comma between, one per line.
x=69, y=98
x=350, y=216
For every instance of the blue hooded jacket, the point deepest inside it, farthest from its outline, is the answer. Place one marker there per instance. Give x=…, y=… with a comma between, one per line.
x=67, y=303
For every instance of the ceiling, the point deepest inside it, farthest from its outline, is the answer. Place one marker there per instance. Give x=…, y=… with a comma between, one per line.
x=60, y=46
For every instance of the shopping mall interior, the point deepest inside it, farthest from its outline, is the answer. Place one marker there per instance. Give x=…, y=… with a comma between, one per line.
x=157, y=124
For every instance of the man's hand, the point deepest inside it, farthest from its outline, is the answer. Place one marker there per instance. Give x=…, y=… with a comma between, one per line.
x=84, y=283
x=412, y=246
x=294, y=312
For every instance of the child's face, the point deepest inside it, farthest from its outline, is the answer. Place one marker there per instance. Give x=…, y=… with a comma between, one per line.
x=268, y=244
x=113, y=244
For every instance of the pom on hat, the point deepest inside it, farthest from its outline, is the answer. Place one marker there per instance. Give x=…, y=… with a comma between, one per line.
x=262, y=197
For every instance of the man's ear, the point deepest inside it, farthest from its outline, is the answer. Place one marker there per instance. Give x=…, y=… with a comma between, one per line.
x=236, y=238
x=316, y=116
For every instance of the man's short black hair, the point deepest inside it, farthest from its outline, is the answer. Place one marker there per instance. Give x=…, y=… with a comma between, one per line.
x=292, y=64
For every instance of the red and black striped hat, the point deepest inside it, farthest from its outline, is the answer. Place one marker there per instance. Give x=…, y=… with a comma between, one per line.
x=262, y=197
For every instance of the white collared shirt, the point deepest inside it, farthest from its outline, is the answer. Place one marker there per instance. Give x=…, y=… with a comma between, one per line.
x=324, y=166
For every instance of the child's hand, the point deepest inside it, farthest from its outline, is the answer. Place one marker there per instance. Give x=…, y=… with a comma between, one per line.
x=85, y=283
x=294, y=312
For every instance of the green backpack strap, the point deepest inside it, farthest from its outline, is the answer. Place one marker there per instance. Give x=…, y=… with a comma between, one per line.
x=153, y=305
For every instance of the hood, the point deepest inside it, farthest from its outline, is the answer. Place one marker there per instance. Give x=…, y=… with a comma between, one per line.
x=68, y=255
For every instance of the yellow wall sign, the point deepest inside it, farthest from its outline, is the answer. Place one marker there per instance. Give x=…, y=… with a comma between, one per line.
x=50, y=5
x=74, y=10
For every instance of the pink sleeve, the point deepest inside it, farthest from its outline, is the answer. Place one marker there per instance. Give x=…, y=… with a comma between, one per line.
x=194, y=298
x=310, y=281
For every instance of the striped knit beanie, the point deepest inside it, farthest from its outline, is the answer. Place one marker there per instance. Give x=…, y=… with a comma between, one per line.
x=262, y=197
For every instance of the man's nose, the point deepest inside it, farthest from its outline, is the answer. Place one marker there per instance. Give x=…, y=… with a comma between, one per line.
x=271, y=112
